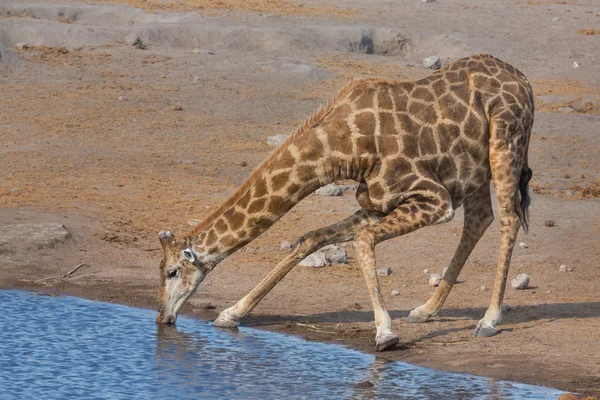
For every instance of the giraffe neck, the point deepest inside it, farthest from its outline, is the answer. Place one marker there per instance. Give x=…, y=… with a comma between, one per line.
x=283, y=183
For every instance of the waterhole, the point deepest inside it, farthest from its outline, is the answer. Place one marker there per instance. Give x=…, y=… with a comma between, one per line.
x=70, y=348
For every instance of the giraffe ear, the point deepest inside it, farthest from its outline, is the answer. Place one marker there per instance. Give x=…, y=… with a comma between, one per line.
x=166, y=238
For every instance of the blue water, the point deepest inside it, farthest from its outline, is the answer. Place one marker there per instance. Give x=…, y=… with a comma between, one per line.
x=70, y=348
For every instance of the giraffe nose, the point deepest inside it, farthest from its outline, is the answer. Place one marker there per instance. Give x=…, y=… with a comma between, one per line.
x=165, y=318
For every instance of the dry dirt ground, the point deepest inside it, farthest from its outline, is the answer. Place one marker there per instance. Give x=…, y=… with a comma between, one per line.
x=117, y=142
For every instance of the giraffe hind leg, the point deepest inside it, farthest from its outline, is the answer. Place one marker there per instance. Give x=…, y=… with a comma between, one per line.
x=478, y=217
x=508, y=153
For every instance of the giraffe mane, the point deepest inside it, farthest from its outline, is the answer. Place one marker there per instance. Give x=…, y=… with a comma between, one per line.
x=308, y=124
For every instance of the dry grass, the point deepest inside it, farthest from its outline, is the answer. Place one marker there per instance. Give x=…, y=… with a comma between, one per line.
x=217, y=7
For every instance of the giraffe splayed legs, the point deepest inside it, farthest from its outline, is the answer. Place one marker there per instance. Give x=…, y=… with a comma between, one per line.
x=418, y=150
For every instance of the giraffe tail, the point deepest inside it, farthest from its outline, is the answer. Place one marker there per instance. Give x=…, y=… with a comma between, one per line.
x=526, y=174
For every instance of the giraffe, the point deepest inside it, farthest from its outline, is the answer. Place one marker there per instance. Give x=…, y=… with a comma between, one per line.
x=418, y=150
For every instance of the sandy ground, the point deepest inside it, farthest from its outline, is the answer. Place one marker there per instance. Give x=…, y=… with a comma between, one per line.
x=117, y=143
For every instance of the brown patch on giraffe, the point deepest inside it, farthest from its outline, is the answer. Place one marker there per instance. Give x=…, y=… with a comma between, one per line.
x=293, y=188
x=286, y=158
x=260, y=187
x=439, y=87
x=365, y=99
x=472, y=127
x=448, y=133
x=280, y=180
x=410, y=145
x=423, y=112
x=243, y=202
x=277, y=205
x=365, y=122
x=228, y=241
x=387, y=125
x=388, y=145
x=365, y=145
x=236, y=220
x=384, y=99
x=423, y=93
x=313, y=151
x=338, y=133
x=211, y=238
x=305, y=173
x=427, y=144
x=221, y=226
x=376, y=191
x=257, y=205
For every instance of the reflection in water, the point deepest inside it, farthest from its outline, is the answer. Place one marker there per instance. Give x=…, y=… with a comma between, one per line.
x=69, y=348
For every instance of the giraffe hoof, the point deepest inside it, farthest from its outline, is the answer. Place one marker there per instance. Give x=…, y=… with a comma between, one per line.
x=225, y=321
x=416, y=317
x=485, y=331
x=386, y=342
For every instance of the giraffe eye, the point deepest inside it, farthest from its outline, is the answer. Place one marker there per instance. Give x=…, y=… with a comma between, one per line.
x=172, y=273
x=188, y=255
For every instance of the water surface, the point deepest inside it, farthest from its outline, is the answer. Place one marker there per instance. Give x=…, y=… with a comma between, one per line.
x=70, y=348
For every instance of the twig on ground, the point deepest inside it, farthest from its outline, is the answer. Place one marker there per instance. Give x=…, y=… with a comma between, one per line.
x=47, y=281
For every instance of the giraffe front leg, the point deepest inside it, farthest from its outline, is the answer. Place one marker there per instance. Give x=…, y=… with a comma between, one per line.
x=478, y=217
x=309, y=243
x=414, y=213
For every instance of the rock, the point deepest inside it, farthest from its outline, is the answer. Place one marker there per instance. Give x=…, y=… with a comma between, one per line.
x=567, y=109
x=122, y=98
x=523, y=245
x=276, y=140
x=556, y=19
x=23, y=45
x=330, y=190
x=435, y=279
x=134, y=40
x=384, y=271
x=576, y=64
x=549, y=223
x=243, y=164
x=196, y=79
x=315, y=260
x=482, y=288
x=205, y=305
x=432, y=62
x=187, y=162
x=16, y=238
x=505, y=308
x=285, y=245
x=202, y=51
x=335, y=254
x=427, y=1
x=425, y=271
x=564, y=268
x=193, y=222
x=520, y=282
x=177, y=107
x=395, y=292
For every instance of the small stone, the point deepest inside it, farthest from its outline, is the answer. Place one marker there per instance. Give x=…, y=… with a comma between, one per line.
x=243, y=164
x=285, y=245
x=505, y=308
x=425, y=271
x=193, y=222
x=23, y=46
x=276, y=140
x=395, y=292
x=564, y=268
x=520, y=282
x=432, y=62
x=523, y=245
x=482, y=288
x=205, y=305
x=567, y=109
x=315, y=260
x=330, y=190
x=202, y=51
x=177, y=107
x=187, y=162
x=384, y=271
x=435, y=279
x=556, y=19
x=123, y=98
x=576, y=64
x=134, y=40
x=570, y=193
x=335, y=254
x=427, y=1
x=196, y=79
x=549, y=222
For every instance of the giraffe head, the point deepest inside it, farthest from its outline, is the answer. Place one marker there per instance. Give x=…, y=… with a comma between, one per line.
x=181, y=271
